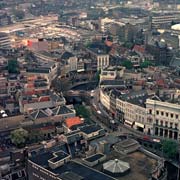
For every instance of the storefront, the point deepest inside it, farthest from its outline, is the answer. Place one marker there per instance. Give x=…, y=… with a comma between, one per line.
x=139, y=126
x=128, y=123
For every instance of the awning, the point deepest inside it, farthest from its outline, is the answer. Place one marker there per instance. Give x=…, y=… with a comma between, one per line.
x=139, y=124
x=129, y=122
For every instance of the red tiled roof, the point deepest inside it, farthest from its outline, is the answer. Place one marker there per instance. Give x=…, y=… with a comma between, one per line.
x=160, y=82
x=73, y=121
x=139, y=49
x=108, y=43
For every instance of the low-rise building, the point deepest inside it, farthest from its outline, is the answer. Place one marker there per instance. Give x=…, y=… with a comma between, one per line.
x=111, y=73
x=100, y=57
x=47, y=70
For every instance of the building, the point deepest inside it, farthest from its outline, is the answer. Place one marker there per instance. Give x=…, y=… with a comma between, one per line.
x=116, y=167
x=111, y=73
x=161, y=52
x=69, y=63
x=47, y=70
x=100, y=57
x=71, y=122
x=3, y=86
x=56, y=164
x=164, y=20
x=165, y=117
x=37, y=45
x=90, y=132
x=5, y=42
x=144, y=111
x=29, y=103
x=5, y=19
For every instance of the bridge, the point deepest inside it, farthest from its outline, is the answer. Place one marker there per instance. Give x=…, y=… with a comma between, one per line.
x=81, y=83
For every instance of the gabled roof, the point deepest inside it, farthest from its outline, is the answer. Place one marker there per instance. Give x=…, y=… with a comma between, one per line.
x=38, y=114
x=61, y=110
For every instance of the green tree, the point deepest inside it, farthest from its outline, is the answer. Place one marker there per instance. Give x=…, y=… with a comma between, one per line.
x=145, y=64
x=19, y=137
x=169, y=148
x=12, y=66
x=128, y=64
x=35, y=136
x=82, y=111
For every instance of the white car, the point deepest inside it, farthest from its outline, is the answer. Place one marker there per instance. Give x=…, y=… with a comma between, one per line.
x=99, y=112
x=4, y=115
x=2, y=111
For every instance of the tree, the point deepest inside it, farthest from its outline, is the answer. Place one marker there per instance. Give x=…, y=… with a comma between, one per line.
x=170, y=148
x=145, y=64
x=12, y=66
x=128, y=64
x=19, y=137
x=82, y=111
x=35, y=136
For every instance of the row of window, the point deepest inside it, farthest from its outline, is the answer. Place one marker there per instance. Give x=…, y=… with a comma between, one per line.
x=166, y=124
x=166, y=114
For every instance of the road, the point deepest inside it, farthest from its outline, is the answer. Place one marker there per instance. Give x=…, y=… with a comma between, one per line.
x=122, y=129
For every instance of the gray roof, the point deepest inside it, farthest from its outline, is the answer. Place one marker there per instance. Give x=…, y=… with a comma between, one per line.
x=38, y=114
x=71, y=175
x=61, y=110
x=116, y=166
x=46, y=112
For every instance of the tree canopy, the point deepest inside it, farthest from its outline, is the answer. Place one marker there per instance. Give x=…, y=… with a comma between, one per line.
x=13, y=66
x=19, y=137
x=128, y=64
x=35, y=136
x=82, y=111
x=170, y=148
x=145, y=64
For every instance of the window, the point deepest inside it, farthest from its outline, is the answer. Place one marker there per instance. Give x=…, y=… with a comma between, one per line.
x=176, y=126
x=167, y=114
x=161, y=123
x=166, y=124
x=177, y=116
x=157, y=112
x=162, y=113
x=172, y=115
x=157, y=121
x=150, y=111
x=171, y=125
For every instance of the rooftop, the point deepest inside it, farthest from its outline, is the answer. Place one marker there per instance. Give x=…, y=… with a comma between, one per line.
x=94, y=157
x=70, y=169
x=98, y=51
x=58, y=156
x=90, y=129
x=73, y=121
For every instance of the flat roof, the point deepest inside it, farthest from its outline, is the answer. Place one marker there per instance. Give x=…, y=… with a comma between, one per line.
x=83, y=171
x=58, y=156
x=94, y=157
x=90, y=128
